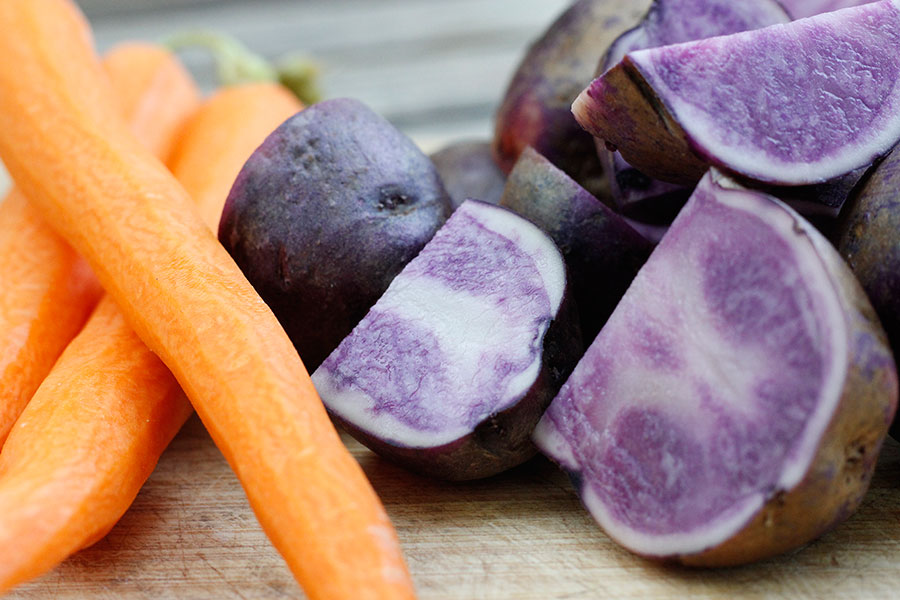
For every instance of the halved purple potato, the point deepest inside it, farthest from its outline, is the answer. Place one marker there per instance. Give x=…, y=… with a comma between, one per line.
x=799, y=9
x=672, y=22
x=325, y=213
x=536, y=108
x=456, y=362
x=869, y=239
x=469, y=172
x=602, y=252
x=734, y=405
x=794, y=104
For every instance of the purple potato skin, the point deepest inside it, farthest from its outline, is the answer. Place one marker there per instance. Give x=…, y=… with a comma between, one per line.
x=867, y=239
x=469, y=172
x=536, y=108
x=602, y=252
x=501, y=441
x=325, y=213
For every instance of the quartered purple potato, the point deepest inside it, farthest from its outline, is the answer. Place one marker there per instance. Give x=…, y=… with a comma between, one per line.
x=794, y=104
x=602, y=252
x=652, y=233
x=453, y=366
x=536, y=108
x=672, y=22
x=469, y=172
x=868, y=239
x=799, y=9
x=734, y=405
x=638, y=196
x=325, y=213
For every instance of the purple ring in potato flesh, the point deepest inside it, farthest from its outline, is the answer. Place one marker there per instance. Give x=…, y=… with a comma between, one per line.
x=451, y=369
x=795, y=104
x=734, y=404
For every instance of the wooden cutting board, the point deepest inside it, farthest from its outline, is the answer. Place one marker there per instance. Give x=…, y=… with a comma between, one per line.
x=519, y=536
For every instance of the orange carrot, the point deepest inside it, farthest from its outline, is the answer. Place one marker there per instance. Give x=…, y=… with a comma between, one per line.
x=190, y=304
x=220, y=137
x=47, y=289
x=83, y=447
x=154, y=92
x=96, y=427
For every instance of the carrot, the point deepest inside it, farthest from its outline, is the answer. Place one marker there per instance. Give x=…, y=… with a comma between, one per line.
x=190, y=304
x=220, y=137
x=47, y=289
x=96, y=427
x=154, y=91
x=83, y=447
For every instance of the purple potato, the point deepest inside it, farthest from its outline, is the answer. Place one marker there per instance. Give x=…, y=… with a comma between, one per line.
x=652, y=232
x=734, y=405
x=672, y=22
x=454, y=365
x=759, y=104
x=469, y=172
x=602, y=252
x=868, y=238
x=325, y=213
x=536, y=108
x=800, y=9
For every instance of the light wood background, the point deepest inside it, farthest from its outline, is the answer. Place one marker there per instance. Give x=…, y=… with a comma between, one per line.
x=436, y=68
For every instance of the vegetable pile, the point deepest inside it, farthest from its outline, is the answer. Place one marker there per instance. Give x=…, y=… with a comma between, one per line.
x=621, y=279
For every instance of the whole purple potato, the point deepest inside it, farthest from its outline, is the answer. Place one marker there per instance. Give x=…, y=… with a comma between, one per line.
x=867, y=238
x=469, y=172
x=323, y=216
x=536, y=108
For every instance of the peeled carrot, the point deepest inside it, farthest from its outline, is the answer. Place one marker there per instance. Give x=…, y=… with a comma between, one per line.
x=154, y=92
x=96, y=427
x=220, y=137
x=190, y=304
x=47, y=289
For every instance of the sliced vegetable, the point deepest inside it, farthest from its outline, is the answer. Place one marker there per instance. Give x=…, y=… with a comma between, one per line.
x=672, y=22
x=190, y=304
x=469, y=172
x=734, y=405
x=325, y=214
x=795, y=104
x=602, y=252
x=93, y=432
x=48, y=290
x=535, y=110
x=453, y=366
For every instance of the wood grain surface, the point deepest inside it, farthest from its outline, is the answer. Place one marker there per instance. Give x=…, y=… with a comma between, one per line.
x=436, y=69
x=519, y=536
